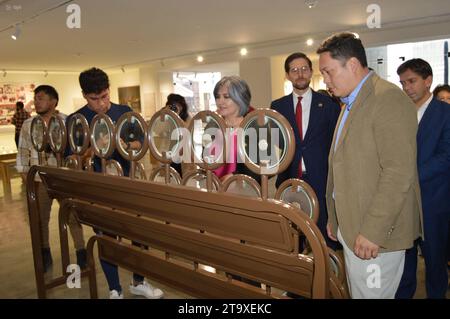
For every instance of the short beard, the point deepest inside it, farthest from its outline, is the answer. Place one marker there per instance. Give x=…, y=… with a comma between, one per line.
x=43, y=112
x=301, y=88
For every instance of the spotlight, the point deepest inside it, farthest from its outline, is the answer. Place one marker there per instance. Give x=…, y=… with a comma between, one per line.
x=309, y=42
x=311, y=3
x=16, y=33
x=244, y=51
x=4, y=73
x=123, y=69
x=200, y=59
x=45, y=73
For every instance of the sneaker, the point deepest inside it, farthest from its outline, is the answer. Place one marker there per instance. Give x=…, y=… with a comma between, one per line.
x=81, y=258
x=46, y=258
x=146, y=290
x=114, y=294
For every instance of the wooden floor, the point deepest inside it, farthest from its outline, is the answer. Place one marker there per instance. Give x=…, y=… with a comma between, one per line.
x=17, y=271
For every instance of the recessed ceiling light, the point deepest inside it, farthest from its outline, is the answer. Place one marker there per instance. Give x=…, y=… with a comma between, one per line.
x=309, y=42
x=200, y=59
x=244, y=51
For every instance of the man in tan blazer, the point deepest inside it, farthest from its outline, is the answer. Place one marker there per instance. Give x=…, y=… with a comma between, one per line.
x=373, y=195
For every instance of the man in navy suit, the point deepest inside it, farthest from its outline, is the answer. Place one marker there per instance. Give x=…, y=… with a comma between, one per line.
x=433, y=164
x=318, y=115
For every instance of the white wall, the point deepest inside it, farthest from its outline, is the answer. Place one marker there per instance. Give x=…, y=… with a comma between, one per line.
x=278, y=76
x=256, y=72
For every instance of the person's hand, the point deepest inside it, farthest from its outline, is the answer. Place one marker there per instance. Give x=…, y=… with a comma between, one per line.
x=330, y=233
x=123, y=144
x=87, y=155
x=364, y=248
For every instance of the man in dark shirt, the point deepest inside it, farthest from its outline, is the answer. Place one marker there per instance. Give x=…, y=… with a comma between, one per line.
x=95, y=86
x=18, y=118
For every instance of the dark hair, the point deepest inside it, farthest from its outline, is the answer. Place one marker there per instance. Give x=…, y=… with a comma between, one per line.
x=238, y=90
x=49, y=90
x=294, y=56
x=19, y=105
x=440, y=88
x=94, y=81
x=343, y=46
x=418, y=66
x=178, y=99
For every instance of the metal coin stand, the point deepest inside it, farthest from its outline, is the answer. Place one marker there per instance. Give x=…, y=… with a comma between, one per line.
x=298, y=193
x=38, y=132
x=131, y=141
x=266, y=144
x=78, y=131
x=57, y=137
x=103, y=143
x=208, y=147
x=165, y=139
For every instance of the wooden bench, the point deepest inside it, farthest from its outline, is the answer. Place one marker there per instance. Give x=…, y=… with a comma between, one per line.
x=251, y=238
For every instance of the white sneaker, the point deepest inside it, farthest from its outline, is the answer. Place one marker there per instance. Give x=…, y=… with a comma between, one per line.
x=146, y=290
x=113, y=294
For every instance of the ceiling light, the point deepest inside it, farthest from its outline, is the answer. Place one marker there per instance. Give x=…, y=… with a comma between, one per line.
x=309, y=42
x=244, y=51
x=123, y=69
x=45, y=73
x=16, y=33
x=4, y=73
x=311, y=3
x=200, y=59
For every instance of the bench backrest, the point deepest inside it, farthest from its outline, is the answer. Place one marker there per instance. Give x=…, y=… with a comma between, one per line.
x=253, y=238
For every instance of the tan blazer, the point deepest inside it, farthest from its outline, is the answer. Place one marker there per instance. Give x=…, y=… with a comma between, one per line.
x=374, y=170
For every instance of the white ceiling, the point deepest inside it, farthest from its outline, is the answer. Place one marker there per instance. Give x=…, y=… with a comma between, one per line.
x=140, y=32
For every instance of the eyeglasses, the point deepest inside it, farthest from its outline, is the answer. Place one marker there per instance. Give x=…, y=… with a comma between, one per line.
x=302, y=69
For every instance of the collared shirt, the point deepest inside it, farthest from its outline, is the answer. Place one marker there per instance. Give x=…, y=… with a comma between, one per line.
x=306, y=111
x=27, y=156
x=423, y=108
x=348, y=100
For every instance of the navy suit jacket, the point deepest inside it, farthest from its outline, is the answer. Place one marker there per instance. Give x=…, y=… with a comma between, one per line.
x=316, y=145
x=433, y=158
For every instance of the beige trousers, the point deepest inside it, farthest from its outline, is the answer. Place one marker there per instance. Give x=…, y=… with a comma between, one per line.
x=376, y=278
